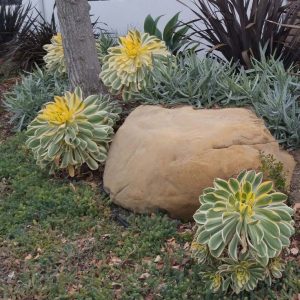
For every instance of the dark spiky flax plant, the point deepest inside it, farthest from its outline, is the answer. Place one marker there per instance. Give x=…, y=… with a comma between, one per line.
x=23, y=33
x=238, y=29
x=12, y=19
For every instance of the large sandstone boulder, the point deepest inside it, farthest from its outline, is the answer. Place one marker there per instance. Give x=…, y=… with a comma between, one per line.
x=162, y=159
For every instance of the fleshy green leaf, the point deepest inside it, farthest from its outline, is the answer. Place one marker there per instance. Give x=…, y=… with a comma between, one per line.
x=264, y=188
x=278, y=197
x=232, y=248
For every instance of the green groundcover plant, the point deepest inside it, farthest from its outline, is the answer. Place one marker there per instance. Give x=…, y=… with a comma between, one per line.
x=243, y=226
x=274, y=170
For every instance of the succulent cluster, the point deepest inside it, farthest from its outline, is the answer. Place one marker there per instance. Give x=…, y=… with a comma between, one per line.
x=243, y=225
x=126, y=65
x=55, y=59
x=72, y=131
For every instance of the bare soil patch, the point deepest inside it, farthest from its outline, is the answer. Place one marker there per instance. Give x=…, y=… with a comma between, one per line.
x=5, y=126
x=295, y=184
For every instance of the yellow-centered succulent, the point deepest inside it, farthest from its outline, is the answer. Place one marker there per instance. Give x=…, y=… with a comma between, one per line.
x=127, y=64
x=71, y=131
x=55, y=59
x=244, y=214
x=63, y=110
x=243, y=225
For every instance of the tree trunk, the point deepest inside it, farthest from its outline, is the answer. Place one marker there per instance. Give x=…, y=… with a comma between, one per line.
x=79, y=45
x=295, y=20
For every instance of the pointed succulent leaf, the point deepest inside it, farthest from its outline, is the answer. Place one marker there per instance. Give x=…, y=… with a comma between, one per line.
x=241, y=176
x=200, y=217
x=215, y=241
x=232, y=248
x=234, y=185
x=264, y=188
x=263, y=200
x=203, y=236
x=278, y=197
x=250, y=177
x=257, y=181
x=222, y=185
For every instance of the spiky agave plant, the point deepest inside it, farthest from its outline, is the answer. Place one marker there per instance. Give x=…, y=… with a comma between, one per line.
x=55, y=58
x=242, y=221
x=126, y=65
x=72, y=131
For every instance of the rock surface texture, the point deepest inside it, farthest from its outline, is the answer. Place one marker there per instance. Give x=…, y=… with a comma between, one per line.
x=162, y=159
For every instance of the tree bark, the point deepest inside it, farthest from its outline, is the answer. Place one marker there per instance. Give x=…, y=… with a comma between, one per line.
x=79, y=45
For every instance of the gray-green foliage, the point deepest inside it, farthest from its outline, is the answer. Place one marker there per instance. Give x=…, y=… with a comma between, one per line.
x=204, y=82
x=281, y=112
x=276, y=100
x=186, y=80
x=27, y=97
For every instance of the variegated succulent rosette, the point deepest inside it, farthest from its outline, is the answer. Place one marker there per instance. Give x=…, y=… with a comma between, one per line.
x=126, y=65
x=244, y=224
x=71, y=131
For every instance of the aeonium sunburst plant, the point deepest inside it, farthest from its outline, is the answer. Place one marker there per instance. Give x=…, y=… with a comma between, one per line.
x=127, y=64
x=243, y=220
x=55, y=58
x=71, y=131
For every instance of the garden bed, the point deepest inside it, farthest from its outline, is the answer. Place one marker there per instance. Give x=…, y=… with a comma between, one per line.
x=61, y=234
x=66, y=239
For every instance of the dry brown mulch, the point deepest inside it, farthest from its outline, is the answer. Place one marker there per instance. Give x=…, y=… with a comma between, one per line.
x=295, y=199
x=295, y=184
x=5, y=126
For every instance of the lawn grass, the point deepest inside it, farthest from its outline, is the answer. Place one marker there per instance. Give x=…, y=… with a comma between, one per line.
x=62, y=239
